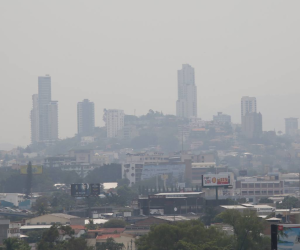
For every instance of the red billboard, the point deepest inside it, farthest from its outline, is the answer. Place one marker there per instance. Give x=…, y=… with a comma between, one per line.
x=215, y=180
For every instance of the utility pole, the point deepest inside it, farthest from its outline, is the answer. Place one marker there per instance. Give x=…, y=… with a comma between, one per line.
x=299, y=186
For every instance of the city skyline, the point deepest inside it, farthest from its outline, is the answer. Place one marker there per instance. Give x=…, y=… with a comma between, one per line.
x=232, y=59
x=248, y=105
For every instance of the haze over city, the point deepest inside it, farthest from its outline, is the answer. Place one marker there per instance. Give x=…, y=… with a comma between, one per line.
x=125, y=55
x=149, y=125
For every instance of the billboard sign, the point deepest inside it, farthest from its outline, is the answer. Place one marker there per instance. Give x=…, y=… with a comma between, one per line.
x=285, y=236
x=85, y=190
x=215, y=180
x=35, y=169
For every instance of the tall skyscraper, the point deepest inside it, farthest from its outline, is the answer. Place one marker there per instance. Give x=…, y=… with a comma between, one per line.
x=44, y=88
x=252, y=125
x=186, y=105
x=44, y=113
x=291, y=126
x=52, y=112
x=114, y=121
x=248, y=105
x=85, y=117
x=34, y=117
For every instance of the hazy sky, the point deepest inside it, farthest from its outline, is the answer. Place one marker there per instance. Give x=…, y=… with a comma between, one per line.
x=125, y=55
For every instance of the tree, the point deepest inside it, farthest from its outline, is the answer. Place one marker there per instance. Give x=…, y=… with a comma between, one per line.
x=29, y=179
x=114, y=223
x=288, y=203
x=41, y=206
x=61, y=201
x=107, y=173
x=91, y=225
x=265, y=200
x=126, y=194
x=247, y=228
x=209, y=215
x=188, y=235
x=110, y=244
x=15, y=244
x=34, y=236
x=50, y=240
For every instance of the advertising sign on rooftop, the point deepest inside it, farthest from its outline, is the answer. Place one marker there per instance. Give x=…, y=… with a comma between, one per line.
x=215, y=180
x=35, y=169
x=285, y=236
x=85, y=190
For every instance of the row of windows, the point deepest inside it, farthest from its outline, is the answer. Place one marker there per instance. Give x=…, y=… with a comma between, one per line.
x=264, y=192
x=260, y=185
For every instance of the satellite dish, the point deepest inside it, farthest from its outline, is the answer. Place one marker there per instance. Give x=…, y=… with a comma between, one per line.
x=175, y=209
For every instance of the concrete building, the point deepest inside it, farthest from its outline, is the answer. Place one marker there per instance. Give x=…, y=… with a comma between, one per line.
x=186, y=105
x=51, y=219
x=248, y=105
x=259, y=188
x=252, y=125
x=4, y=227
x=222, y=118
x=34, y=119
x=85, y=118
x=127, y=240
x=114, y=122
x=13, y=198
x=44, y=92
x=14, y=230
x=48, y=111
x=291, y=126
x=133, y=165
x=52, y=121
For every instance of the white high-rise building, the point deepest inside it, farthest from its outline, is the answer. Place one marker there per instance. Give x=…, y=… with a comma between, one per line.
x=85, y=117
x=52, y=111
x=34, y=118
x=291, y=126
x=248, y=105
x=114, y=121
x=186, y=105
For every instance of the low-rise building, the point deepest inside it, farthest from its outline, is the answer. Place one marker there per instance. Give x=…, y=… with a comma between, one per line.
x=51, y=219
x=127, y=240
x=222, y=118
x=13, y=198
x=259, y=188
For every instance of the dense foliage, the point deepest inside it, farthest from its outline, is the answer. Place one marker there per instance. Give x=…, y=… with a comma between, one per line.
x=51, y=240
x=114, y=223
x=15, y=244
x=247, y=229
x=189, y=235
x=194, y=235
x=110, y=244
